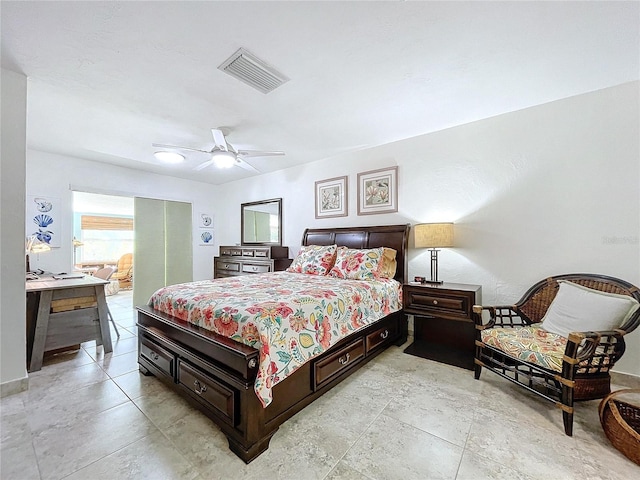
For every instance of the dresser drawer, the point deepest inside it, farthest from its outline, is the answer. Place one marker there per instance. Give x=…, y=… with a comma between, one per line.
x=425, y=301
x=208, y=390
x=223, y=266
x=381, y=336
x=261, y=253
x=247, y=253
x=160, y=358
x=230, y=252
x=327, y=368
x=256, y=268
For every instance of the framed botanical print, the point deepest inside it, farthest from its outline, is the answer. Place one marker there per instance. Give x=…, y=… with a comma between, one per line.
x=331, y=197
x=378, y=191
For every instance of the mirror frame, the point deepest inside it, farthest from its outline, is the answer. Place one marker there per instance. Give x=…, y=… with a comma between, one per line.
x=261, y=202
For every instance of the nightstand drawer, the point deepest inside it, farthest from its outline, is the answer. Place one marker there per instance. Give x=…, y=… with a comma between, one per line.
x=440, y=302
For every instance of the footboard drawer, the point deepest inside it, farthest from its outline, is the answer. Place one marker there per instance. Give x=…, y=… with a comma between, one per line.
x=329, y=367
x=160, y=358
x=381, y=336
x=208, y=390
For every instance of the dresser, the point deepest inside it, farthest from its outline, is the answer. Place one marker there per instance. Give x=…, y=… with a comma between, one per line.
x=245, y=260
x=444, y=329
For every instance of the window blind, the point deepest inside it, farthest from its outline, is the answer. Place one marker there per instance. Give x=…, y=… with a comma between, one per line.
x=95, y=222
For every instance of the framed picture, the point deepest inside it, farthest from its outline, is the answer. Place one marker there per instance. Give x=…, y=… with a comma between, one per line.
x=378, y=191
x=331, y=197
x=206, y=237
x=44, y=219
x=205, y=220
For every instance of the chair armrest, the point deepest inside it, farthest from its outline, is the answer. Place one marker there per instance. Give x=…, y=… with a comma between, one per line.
x=594, y=351
x=499, y=316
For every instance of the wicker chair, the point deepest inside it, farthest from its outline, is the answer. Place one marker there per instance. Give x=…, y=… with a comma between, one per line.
x=582, y=361
x=124, y=271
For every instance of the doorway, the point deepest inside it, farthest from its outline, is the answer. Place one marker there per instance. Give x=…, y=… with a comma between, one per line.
x=103, y=237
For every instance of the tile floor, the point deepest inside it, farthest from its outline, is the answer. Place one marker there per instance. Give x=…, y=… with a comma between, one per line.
x=88, y=415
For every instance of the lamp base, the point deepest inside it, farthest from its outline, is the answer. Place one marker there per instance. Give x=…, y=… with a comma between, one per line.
x=432, y=282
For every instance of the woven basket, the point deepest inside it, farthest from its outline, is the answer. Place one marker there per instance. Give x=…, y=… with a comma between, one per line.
x=621, y=423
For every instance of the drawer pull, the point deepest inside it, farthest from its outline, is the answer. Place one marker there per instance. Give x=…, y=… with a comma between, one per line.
x=344, y=359
x=255, y=269
x=226, y=265
x=252, y=363
x=435, y=302
x=155, y=356
x=384, y=334
x=200, y=388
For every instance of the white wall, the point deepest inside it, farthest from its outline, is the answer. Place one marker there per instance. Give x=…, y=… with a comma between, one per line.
x=51, y=175
x=13, y=100
x=547, y=190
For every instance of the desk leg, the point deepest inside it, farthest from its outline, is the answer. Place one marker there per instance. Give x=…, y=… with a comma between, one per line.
x=103, y=313
x=40, y=336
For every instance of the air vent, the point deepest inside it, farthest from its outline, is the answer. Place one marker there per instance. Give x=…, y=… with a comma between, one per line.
x=254, y=72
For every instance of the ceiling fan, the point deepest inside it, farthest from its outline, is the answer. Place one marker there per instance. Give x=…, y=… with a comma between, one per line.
x=223, y=154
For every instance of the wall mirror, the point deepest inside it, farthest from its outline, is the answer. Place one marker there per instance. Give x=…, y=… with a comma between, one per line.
x=261, y=222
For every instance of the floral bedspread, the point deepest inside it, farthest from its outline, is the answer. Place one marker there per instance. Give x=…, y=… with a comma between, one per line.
x=289, y=317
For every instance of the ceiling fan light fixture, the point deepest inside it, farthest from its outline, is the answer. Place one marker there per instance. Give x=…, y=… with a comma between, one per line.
x=169, y=157
x=223, y=159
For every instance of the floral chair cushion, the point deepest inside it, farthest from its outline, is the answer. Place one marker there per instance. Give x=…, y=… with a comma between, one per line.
x=531, y=344
x=314, y=260
x=356, y=264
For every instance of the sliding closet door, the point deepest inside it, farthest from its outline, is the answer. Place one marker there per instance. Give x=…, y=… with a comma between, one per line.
x=162, y=252
x=178, y=254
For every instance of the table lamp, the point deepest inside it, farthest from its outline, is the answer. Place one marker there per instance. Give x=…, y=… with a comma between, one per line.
x=433, y=236
x=34, y=245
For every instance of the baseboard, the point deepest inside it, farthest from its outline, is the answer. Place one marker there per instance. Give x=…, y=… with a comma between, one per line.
x=625, y=379
x=14, y=386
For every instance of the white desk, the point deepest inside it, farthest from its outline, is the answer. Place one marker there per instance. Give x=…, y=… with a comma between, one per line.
x=62, y=313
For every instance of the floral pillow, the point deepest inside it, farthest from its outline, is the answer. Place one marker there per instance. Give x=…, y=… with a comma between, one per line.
x=356, y=264
x=314, y=259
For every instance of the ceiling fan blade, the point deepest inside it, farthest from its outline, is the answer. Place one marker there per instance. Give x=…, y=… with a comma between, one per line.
x=160, y=145
x=257, y=153
x=242, y=164
x=204, y=165
x=219, y=140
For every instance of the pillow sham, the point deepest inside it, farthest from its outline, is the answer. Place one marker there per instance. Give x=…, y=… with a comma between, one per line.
x=580, y=309
x=314, y=260
x=388, y=263
x=355, y=264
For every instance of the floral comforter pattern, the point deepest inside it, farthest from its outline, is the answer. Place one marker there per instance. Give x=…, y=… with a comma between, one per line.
x=289, y=317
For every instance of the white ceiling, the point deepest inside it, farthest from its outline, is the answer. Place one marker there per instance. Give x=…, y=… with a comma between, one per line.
x=108, y=79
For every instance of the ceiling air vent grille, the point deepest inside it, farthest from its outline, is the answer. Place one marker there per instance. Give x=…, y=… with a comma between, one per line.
x=254, y=72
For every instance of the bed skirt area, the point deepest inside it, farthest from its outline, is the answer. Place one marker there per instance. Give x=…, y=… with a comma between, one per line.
x=217, y=374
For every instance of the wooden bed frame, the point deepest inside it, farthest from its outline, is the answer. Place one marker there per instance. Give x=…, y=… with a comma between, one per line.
x=217, y=374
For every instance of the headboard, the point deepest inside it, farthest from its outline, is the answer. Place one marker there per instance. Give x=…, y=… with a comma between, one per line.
x=392, y=236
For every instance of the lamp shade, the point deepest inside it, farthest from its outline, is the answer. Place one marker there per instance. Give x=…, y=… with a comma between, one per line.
x=433, y=235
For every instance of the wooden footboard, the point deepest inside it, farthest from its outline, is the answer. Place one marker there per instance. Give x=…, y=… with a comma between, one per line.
x=216, y=374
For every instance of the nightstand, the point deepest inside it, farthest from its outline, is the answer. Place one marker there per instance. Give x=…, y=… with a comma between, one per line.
x=442, y=321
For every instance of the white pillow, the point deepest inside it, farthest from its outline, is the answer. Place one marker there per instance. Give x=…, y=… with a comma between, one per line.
x=581, y=309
